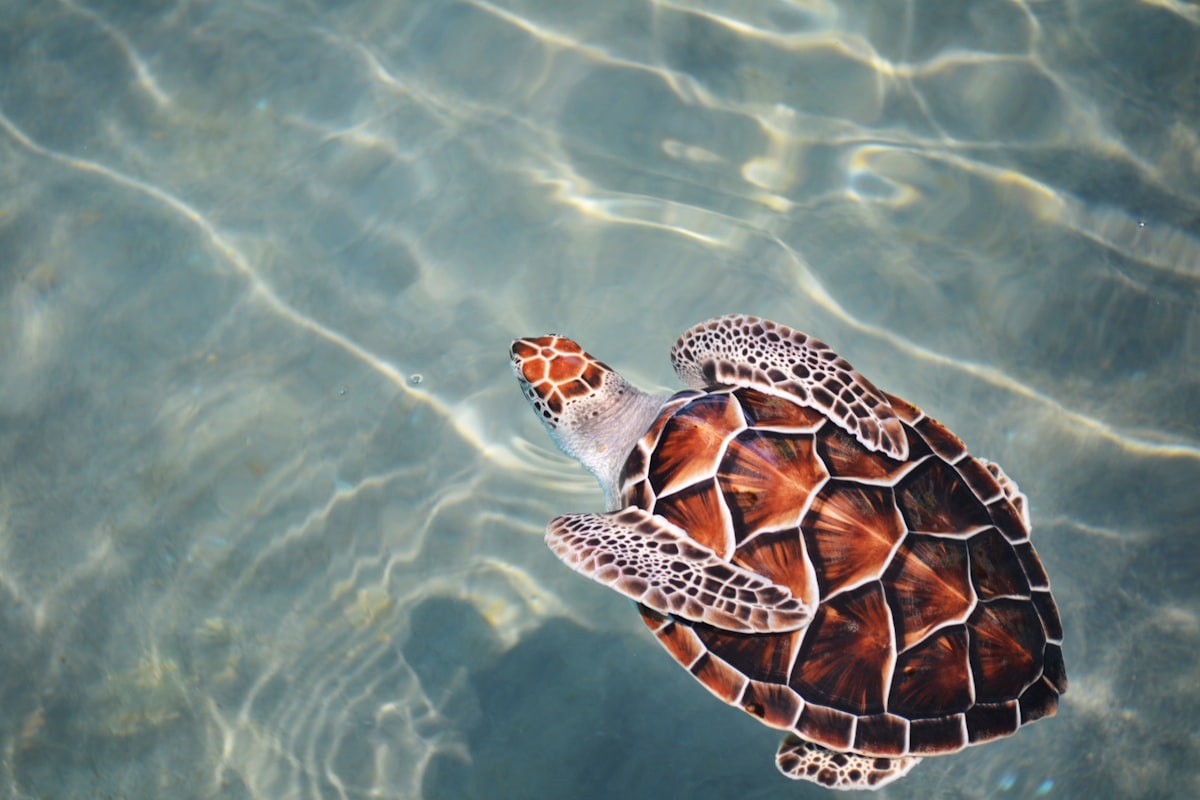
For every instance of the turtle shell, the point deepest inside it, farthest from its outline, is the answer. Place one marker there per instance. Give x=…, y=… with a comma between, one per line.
x=934, y=626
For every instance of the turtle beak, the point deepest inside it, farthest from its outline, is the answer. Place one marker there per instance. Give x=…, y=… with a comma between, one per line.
x=519, y=352
x=512, y=357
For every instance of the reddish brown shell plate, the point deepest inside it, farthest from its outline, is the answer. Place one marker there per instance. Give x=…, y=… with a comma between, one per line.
x=935, y=627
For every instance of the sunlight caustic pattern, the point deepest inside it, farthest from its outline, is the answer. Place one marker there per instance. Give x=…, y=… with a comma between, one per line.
x=243, y=552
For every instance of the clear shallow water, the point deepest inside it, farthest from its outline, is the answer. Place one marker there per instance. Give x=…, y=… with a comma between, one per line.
x=271, y=504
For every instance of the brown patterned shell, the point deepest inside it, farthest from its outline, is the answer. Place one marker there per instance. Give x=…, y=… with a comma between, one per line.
x=935, y=627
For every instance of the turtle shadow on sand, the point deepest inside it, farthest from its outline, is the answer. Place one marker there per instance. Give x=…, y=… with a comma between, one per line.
x=571, y=712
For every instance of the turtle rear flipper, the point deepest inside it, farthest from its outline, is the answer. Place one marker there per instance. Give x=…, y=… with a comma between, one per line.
x=801, y=760
x=649, y=560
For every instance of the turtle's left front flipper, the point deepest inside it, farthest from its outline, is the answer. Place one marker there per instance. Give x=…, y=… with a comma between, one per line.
x=648, y=559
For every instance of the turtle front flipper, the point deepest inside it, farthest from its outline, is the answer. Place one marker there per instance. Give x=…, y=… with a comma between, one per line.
x=737, y=350
x=805, y=761
x=648, y=559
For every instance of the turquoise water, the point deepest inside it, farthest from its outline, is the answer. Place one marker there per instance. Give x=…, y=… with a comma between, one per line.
x=271, y=503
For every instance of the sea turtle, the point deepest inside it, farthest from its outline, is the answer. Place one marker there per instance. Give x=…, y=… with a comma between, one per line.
x=818, y=552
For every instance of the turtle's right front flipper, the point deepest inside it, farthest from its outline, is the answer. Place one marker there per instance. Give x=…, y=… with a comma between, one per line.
x=737, y=350
x=655, y=563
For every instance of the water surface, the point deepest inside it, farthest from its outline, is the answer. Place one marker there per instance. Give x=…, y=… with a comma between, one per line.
x=271, y=503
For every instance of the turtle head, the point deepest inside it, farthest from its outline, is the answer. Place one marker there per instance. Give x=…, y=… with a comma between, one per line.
x=591, y=412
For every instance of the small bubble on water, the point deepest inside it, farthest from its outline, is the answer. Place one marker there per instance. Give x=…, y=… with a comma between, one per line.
x=416, y=378
x=341, y=391
x=1044, y=787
